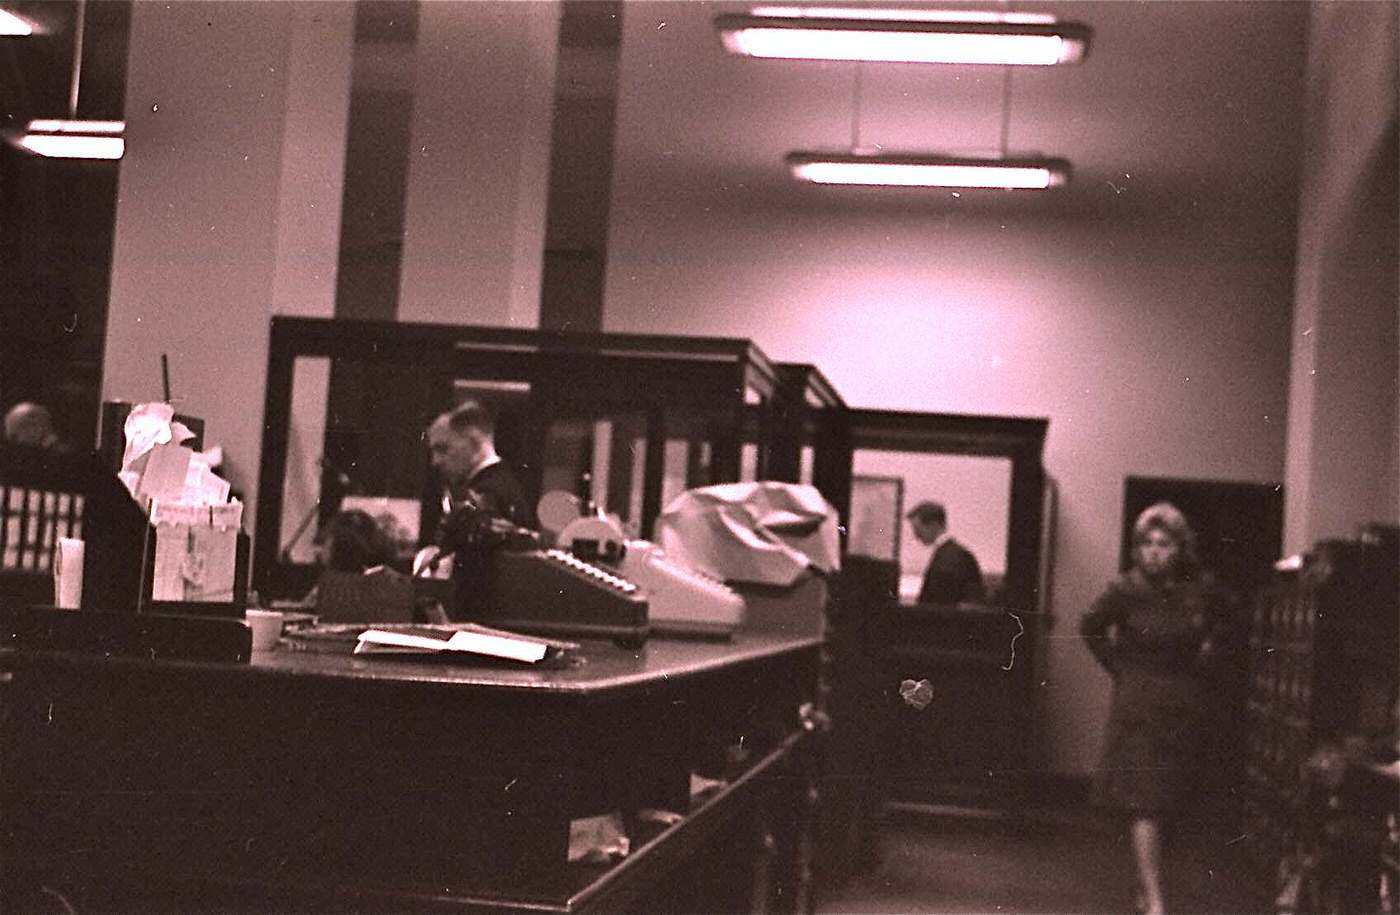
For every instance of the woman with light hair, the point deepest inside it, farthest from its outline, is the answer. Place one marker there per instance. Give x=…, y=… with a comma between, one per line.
x=1154, y=630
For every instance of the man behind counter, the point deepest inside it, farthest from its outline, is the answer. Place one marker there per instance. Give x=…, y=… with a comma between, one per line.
x=461, y=444
x=953, y=574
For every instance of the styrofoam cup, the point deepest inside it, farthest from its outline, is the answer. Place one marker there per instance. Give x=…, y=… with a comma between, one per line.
x=68, y=573
x=266, y=626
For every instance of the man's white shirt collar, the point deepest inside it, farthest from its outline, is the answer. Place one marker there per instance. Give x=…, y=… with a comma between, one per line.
x=939, y=541
x=491, y=458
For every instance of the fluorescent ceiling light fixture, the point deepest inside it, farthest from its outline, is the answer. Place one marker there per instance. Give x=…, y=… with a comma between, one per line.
x=928, y=171
x=904, y=36
x=862, y=12
x=14, y=24
x=72, y=139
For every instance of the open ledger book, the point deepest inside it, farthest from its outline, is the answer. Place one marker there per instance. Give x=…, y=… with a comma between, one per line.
x=468, y=638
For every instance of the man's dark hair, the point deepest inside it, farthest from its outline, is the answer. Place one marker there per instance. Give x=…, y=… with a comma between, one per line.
x=471, y=414
x=929, y=513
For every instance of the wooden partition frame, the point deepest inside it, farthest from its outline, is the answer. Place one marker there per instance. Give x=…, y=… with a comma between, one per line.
x=983, y=661
x=643, y=373
x=810, y=411
x=1021, y=440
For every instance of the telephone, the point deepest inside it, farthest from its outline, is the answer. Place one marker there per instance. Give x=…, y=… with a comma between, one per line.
x=554, y=592
x=684, y=601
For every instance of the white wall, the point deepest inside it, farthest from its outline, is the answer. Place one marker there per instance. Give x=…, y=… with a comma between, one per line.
x=1344, y=426
x=228, y=203
x=1153, y=335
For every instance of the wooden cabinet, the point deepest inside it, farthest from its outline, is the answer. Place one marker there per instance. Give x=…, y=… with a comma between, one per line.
x=1323, y=671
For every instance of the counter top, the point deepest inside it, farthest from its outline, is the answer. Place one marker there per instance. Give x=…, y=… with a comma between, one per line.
x=596, y=667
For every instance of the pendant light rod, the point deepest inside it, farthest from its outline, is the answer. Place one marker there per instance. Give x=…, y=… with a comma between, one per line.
x=80, y=19
x=855, y=108
x=1005, y=111
x=1005, y=95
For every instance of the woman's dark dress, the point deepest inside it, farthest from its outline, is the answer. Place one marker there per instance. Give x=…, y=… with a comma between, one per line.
x=1155, y=656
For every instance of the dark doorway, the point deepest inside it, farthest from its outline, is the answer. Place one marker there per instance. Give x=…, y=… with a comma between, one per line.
x=1239, y=526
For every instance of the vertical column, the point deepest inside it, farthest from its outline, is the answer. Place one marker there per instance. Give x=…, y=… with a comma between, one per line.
x=370, y=259
x=1341, y=468
x=580, y=170
x=309, y=220
x=228, y=203
x=478, y=165
x=319, y=51
x=376, y=162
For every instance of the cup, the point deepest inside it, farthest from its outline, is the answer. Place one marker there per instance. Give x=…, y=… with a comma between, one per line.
x=68, y=573
x=266, y=626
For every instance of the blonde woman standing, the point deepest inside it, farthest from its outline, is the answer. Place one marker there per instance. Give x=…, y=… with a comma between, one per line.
x=1154, y=629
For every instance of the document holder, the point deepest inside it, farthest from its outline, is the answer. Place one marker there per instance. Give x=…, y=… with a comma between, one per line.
x=233, y=607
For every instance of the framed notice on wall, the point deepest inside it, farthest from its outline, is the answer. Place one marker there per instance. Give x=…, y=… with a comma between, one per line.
x=877, y=512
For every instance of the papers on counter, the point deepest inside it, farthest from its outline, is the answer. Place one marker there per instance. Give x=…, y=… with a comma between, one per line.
x=157, y=464
x=196, y=553
x=467, y=639
x=197, y=524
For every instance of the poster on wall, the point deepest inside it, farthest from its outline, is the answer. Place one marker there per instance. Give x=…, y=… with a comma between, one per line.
x=877, y=509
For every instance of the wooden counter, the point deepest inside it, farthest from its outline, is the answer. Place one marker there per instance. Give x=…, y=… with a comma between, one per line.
x=330, y=781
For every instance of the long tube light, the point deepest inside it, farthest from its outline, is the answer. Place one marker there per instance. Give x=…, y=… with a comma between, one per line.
x=13, y=24
x=71, y=139
x=928, y=171
x=904, y=36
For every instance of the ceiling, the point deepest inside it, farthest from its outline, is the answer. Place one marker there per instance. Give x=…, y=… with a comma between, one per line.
x=1178, y=104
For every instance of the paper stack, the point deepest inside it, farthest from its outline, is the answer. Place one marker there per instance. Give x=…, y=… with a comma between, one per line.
x=197, y=525
x=467, y=639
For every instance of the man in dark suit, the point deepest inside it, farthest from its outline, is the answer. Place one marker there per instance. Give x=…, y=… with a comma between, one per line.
x=953, y=574
x=461, y=444
x=487, y=501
